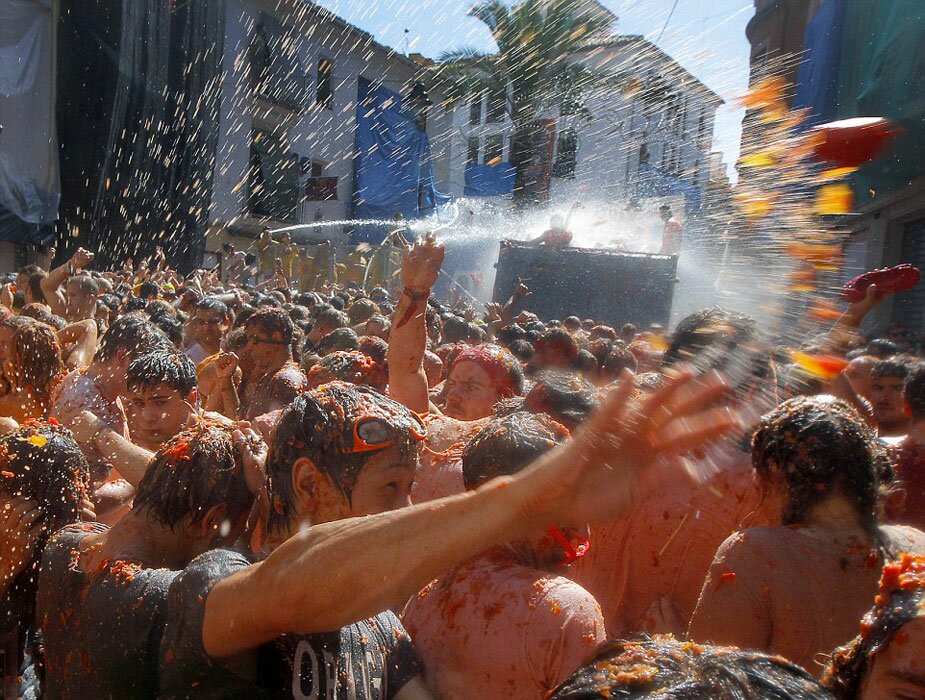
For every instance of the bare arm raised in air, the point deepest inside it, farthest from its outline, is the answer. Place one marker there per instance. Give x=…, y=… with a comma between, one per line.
x=408, y=336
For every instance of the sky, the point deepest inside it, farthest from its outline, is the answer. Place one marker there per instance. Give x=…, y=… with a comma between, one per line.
x=707, y=37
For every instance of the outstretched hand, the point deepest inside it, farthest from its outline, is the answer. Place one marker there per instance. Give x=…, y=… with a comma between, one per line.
x=253, y=455
x=421, y=264
x=625, y=450
x=81, y=258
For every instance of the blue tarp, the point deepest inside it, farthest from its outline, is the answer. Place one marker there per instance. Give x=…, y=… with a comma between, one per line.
x=394, y=172
x=817, y=86
x=655, y=183
x=489, y=180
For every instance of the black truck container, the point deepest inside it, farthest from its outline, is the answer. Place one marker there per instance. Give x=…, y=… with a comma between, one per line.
x=610, y=287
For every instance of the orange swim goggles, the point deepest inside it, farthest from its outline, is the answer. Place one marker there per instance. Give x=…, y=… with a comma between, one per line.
x=372, y=433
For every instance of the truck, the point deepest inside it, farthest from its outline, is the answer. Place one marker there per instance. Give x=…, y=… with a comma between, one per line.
x=610, y=286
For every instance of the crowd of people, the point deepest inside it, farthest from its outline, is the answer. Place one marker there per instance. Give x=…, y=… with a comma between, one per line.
x=247, y=485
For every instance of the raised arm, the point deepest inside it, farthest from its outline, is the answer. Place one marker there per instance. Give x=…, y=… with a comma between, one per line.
x=408, y=336
x=78, y=342
x=51, y=285
x=131, y=460
x=334, y=574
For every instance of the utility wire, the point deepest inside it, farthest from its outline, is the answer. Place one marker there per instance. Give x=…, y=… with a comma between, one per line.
x=665, y=26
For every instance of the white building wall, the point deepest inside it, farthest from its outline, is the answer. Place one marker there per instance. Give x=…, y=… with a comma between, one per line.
x=317, y=133
x=609, y=143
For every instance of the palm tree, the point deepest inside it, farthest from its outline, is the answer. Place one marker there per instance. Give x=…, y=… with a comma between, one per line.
x=534, y=67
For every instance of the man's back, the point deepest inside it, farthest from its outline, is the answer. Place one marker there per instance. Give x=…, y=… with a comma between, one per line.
x=795, y=590
x=493, y=628
x=664, y=548
x=101, y=630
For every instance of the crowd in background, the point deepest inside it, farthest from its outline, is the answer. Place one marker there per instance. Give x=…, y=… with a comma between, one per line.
x=268, y=480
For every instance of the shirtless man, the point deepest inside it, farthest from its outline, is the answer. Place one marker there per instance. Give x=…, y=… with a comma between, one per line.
x=272, y=378
x=771, y=588
x=347, y=451
x=643, y=568
x=103, y=385
x=506, y=623
x=886, y=394
x=209, y=321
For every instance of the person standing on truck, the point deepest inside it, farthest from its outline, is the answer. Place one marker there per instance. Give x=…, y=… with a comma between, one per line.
x=671, y=234
x=557, y=236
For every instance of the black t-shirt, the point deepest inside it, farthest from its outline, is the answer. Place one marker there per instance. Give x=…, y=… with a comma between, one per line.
x=369, y=660
x=101, y=631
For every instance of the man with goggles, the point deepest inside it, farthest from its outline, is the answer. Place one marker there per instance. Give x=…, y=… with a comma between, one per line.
x=314, y=606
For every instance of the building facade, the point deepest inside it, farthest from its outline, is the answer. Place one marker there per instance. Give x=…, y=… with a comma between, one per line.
x=294, y=75
x=862, y=59
x=647, y=133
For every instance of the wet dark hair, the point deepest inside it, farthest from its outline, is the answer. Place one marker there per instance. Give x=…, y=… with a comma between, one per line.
x=899, y=601
x=35, y=287
x=147, y=290
x=171, y=327
x=586, y=362
x=133, y=333
x=914, y=391
x=620, y=358
x=508, y=444
x=511, y=333
x=665, y=669
x=560, y=339
x=341, y=339
x=375, y=347
x=331, y=318
x=193, y=472
x=159, y=307
x=455, y=330
x=882, y=348
x=522, y=350
x=338, y=303
x=174, y=369
x=270, y=320
x=894, y=368
x=215, y=306
x=820, y=446
x=135, y=304
x=319, y=425
x=569, y=399
x=573, y=323
x=709, y=339
x=235, y=340
x=43, y=463
x=361, y=310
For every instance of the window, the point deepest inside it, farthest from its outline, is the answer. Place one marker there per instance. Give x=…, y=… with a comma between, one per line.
x=472, y=158
x=475, y=112
x=494, y=150
x=702, y=129
x=644, y=154
x=277, y=73
x=497, y=105
x=317, y=169
x=274, y=177
x=324, y=90
x=566, y=154
x=695, y=179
